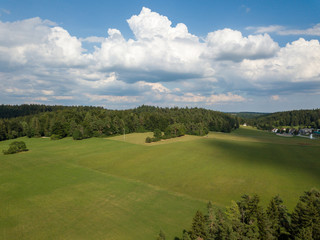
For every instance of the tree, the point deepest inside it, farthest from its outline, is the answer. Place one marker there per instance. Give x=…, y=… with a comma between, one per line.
x=234, y=216
x=3, y=133
x=157, y=133
x=186, y=236
x=161, y=236
x=59, y=130
x=278, y=218
x=306, y=215
x=211, y=221
x=15, y=147
x=77, y=135
x=198, y=228
x=35, y=126
x=248, y=206
x=304, y=233
x=148, y=139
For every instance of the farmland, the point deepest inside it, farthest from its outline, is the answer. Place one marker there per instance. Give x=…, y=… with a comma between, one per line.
x=123, y=188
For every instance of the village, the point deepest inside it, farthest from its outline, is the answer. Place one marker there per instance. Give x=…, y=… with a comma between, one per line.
x=303, y=132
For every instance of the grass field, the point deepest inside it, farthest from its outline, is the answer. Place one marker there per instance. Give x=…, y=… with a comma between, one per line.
x=118, y=188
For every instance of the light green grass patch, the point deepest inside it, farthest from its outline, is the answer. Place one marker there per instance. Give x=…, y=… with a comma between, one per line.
x=139, y=138
x=54, y=198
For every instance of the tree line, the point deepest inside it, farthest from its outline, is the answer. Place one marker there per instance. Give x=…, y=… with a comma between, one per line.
x=12, y=111
x=246, y=219
x=85, y=122
x=303, y=118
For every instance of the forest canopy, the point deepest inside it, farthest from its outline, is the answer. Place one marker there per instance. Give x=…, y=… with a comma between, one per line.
x=85, y=122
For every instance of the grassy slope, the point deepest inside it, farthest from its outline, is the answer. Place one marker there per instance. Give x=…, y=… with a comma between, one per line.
x=45, y=194
x=115, y=189
x=225, y=166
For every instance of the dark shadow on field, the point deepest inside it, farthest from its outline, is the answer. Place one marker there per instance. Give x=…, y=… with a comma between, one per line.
x=295, y=158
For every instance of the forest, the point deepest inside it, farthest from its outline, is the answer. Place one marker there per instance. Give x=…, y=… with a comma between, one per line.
x=246, y=219
x=296, y=118
x=84, y=122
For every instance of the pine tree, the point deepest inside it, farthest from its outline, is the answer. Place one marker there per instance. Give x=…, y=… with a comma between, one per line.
x=3, y=133
x=278, y=218
x=304, y=234
x=186, y=236
x=223, y=228
x=248, y=207
x=198, y=228
x=234, y=216
x=307, y=214
x=211, y=225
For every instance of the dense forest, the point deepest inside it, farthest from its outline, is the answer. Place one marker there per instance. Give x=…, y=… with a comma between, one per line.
x=12, y=111
x=85, y=122
x=248, y=115
x=246, y=219
x=296, y=118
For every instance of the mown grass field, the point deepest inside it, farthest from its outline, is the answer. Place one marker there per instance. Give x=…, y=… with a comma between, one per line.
x=118, y=188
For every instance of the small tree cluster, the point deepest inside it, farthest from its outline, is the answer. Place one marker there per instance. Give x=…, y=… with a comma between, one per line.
x=15, y=147
x=172, y=131
x=246, y=219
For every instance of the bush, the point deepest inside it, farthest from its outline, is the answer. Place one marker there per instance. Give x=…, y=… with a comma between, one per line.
x=77, y=135
x=55, y=137
x=157, y=133
x=15, y=147
x=148, y=140
x=154, y=139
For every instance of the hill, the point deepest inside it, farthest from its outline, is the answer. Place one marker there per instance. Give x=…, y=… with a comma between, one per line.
x=248, y=115
x=298, y=118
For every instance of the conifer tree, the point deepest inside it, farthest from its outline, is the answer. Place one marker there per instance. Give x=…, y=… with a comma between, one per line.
x=306, y=215
x=304, y=233
x=234, y=216
x=186, y=236
x=248, y=207
x=198, y=228
x=211, y=224
x=278, y=218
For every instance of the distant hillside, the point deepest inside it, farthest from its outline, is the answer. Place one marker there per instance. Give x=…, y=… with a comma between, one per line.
x=12, y=111
x=248, y=115
x=302, y=118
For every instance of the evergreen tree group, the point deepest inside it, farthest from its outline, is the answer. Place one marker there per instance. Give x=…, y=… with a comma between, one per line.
x=84, y=122
x=301, y=118
x=246, y=220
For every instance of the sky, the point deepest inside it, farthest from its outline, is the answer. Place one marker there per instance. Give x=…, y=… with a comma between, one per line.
x=231, y=56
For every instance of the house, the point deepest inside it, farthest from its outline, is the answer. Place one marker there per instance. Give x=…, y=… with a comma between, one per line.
x=316, y=134
x=306, y=131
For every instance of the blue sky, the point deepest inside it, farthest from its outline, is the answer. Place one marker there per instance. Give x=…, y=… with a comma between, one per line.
x=225, y=55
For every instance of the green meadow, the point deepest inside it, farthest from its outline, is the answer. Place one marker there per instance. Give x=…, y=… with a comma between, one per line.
x=122, y=188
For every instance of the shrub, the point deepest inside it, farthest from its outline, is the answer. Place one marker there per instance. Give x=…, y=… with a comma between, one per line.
x=15, y=147
x=157, y=134
x=77, y=135
x=148, y=140
x=55, y=137
x=155, y=139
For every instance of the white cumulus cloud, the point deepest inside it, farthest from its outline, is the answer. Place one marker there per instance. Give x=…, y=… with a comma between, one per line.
x=281, y=30
x=228, y=44
x=163, y=63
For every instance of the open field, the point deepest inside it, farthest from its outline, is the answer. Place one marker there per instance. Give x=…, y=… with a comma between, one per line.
x=119, y=188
